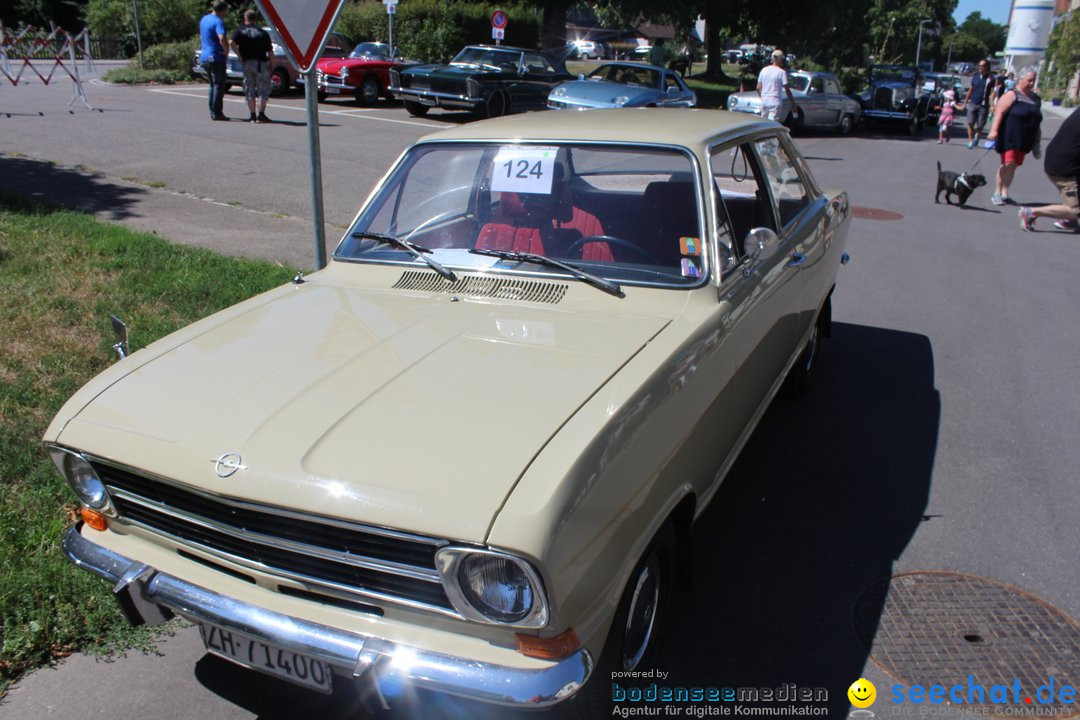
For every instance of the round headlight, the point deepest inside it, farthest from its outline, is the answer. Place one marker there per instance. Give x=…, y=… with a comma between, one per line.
x=621, y=100
x=496, y=586
x=81, y=476
x=559, y=91
x=732, y=102
x=344, y=72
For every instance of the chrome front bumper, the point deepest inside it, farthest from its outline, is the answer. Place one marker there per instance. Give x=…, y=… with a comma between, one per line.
x=433, y=98
x=333, y=83
x=350, y=654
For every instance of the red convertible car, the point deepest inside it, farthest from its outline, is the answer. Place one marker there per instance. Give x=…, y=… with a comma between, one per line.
x=364, y=75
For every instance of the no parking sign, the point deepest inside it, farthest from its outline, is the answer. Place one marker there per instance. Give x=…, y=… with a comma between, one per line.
x=499, y=20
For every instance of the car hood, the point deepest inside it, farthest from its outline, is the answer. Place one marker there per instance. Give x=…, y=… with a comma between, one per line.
x=450, y=71
x=598, y=91
x=332, y=66
x=395, y=408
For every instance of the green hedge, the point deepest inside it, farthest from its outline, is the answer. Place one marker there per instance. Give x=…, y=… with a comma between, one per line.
x=136, y=76
x=170, y=56
x=434, y=30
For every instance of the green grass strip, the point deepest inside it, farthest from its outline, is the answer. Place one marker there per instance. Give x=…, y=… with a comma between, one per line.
x=61, y=274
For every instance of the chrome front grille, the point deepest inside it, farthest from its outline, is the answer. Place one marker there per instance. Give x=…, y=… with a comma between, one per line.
x=444, y=85
x=883, y=97
x=334, y=557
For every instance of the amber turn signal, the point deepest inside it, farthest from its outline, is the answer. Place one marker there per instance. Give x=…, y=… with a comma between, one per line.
x=94, y=519
x=552, y=648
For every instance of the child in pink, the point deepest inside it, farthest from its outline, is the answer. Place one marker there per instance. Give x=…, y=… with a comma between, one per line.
x=948, y=104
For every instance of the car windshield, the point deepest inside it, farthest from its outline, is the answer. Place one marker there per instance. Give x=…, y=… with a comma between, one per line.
x=798, y=83
x=378, y=51
x=627, y=75
x=887, y=73
x=488, y=58
x=627, y=213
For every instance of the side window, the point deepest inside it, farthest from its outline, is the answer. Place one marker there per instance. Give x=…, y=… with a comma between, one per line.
x=670, y=82
x=817, y=85
x=538, y=64
x=832, y=87
x=788, y=190
x=742, y=200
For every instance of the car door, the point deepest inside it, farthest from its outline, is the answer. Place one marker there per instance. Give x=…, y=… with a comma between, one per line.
x=834, y=100
x=676, y=94
x=801, y=211
x=761, y=292
x=537, y=81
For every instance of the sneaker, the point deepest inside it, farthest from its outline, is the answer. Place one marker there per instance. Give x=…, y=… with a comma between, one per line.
x=264, y=119
x=1067, y=225
x=971, y=144
x=1027, y=220
x=996, y=199
x=252, y=118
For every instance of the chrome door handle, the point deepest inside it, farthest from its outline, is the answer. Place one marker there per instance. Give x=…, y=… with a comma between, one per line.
x=796, y=260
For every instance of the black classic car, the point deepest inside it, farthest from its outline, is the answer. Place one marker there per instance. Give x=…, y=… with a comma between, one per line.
x=485, y=79
x=895, y=95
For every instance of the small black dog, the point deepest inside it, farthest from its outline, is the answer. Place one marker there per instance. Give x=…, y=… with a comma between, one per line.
x=959, y=184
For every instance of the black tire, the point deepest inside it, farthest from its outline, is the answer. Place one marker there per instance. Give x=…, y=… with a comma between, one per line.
x=801, y=377
x=415, y=109
x=369, y=91
x=279, y=82
x=913, y=127
x=226, y=87
x=847, y=124
x=321, y=96
x=497, y=105
x=637, y=631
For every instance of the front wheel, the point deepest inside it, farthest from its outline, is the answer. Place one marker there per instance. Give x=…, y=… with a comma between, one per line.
x=497, y=105
x=368, y=92
x=415, y=109
x=847, y=124
x=636, y=633
x=321, y=96
x=279, y=82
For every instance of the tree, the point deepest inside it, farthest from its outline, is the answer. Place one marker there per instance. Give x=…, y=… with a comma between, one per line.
x=986, y=30
x=1061, y=54
x=966, y=47
x=894, y=28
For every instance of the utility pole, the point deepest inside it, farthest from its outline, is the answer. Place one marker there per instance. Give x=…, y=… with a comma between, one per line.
x=918, y=45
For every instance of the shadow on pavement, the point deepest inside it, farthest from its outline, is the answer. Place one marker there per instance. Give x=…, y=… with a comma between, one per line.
x=824, y=498
x=47, y=183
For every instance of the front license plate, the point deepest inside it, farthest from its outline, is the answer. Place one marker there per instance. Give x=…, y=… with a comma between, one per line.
x=333, y=90
x=425, y=101
x=267, y=658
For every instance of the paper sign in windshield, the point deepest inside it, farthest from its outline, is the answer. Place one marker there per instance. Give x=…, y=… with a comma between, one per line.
x=524, y=170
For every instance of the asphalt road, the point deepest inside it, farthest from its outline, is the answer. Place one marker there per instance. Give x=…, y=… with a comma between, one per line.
x=941, y=434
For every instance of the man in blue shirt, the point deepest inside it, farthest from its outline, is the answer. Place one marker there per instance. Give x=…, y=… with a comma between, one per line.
x=978, y=101
x=214, y=53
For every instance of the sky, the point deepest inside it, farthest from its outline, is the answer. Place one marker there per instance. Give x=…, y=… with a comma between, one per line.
x=996, y=10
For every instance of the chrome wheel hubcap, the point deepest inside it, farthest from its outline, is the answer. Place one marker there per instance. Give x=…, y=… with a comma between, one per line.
x=641, y=617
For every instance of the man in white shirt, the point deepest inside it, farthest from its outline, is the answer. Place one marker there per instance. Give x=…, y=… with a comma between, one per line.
x=772, y=86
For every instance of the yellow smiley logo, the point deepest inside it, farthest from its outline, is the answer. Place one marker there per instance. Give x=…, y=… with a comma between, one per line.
x=862, y=693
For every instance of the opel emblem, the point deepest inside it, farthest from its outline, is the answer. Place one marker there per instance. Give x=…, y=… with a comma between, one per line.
x=227, y=465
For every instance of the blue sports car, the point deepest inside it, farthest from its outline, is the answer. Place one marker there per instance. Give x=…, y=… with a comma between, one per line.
x=623, y=84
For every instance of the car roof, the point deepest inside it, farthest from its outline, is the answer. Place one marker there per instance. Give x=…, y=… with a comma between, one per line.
x=511, y=48
x=655, y=126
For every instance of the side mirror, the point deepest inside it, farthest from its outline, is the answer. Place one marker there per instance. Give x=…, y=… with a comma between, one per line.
x=673, y=90
x=760, y=244
x=120, y=332
x=522, y=70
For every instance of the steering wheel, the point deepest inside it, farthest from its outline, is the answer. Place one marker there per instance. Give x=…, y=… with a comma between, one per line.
x=579, y=244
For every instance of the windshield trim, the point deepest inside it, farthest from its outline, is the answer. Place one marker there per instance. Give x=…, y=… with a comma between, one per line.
x=706, y=232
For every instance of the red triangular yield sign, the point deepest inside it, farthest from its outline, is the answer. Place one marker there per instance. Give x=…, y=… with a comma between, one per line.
x=303, y=25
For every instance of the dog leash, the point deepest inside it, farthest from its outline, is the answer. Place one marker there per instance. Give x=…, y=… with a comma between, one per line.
x=989, y=148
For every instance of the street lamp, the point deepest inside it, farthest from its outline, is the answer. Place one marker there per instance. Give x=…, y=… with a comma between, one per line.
x=918, y=45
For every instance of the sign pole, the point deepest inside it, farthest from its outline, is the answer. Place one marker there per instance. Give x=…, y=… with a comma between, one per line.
x=311, y=98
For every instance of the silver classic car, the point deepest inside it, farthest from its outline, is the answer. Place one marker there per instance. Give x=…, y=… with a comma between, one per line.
x=623, y=84
x=819, y=99
x=467, y=454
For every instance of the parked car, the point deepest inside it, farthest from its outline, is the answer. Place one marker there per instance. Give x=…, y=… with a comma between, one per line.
x=623, y=84
x=731, y=56
x=363, y=75
x=284, y=73
x=894, y=95
x=587, y=50
x=487, y=80
x=467, y=455
x=820, y=101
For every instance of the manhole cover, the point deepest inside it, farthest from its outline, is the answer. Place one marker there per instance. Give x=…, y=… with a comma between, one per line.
x=938, y=628
x=867, y=213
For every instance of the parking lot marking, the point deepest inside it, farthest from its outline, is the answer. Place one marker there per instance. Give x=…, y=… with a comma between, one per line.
x=344, y=113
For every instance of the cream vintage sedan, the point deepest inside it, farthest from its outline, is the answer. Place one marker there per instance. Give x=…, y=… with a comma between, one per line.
x=467, y=455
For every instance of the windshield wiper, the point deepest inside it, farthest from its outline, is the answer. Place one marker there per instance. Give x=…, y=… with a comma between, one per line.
x=416, y=250
x=594, y=280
